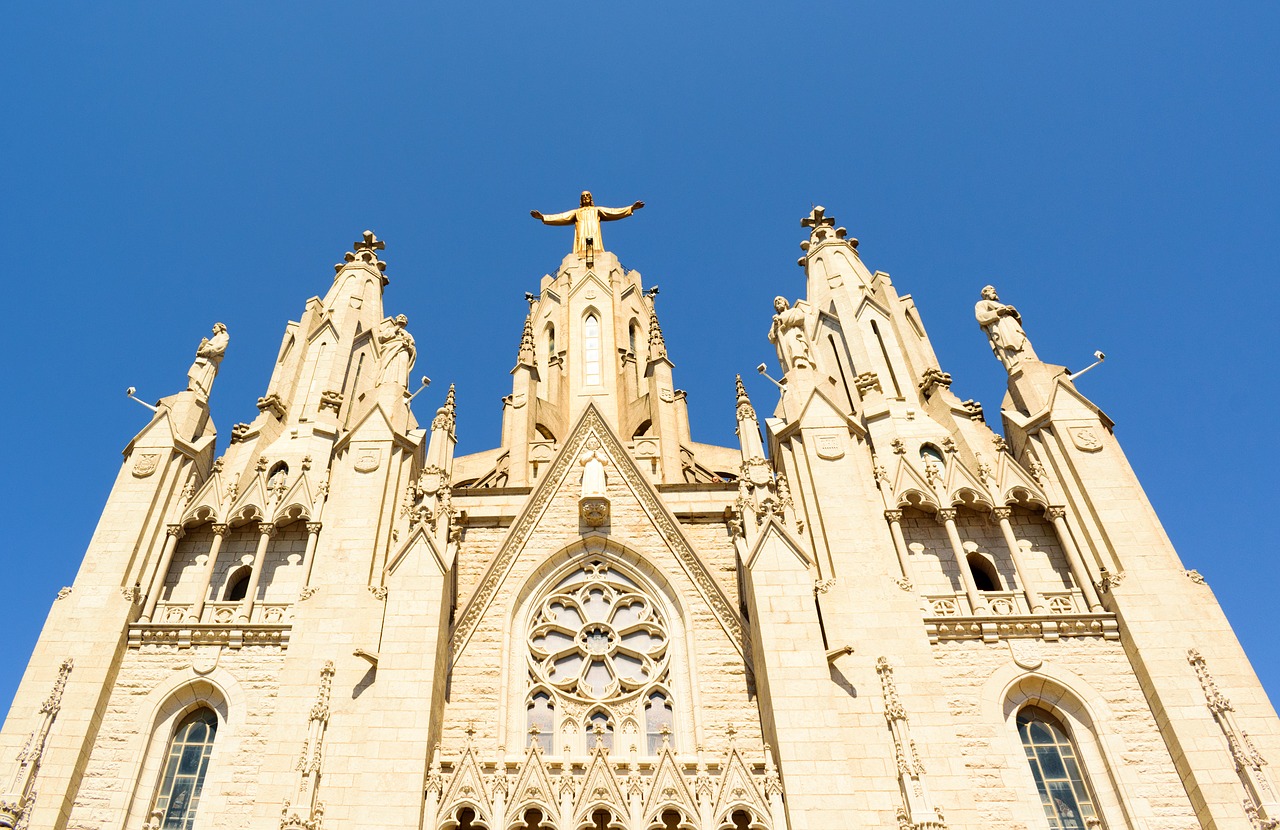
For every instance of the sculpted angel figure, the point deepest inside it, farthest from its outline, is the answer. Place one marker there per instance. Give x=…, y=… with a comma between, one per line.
x=208, y=356
x=398, y=352
x=1003, y=325
x=788, y=335
x=593, y=476
x=586, y=220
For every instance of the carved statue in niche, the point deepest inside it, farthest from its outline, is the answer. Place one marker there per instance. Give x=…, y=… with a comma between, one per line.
x=586, y=220
x=398, y=352
x=208, y=355
x=1003, y=325
x=788, y=335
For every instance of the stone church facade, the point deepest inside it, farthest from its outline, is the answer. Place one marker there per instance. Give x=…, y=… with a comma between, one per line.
x=874, y=612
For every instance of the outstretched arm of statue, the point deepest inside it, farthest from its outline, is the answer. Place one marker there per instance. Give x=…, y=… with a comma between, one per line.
x=608, y=214
x=566, y=218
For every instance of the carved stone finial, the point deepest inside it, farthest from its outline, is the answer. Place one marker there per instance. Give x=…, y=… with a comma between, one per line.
x=526, y=355
x=745, y=411
x=657, y=345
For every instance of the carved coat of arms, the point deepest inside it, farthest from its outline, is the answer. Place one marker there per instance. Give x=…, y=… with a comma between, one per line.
x=146, y=464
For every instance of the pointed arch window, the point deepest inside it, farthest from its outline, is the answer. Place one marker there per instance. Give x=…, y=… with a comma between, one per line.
x=658, y=721
x=591, y=350
x=600, y=727
x=184, y=770
x=541, y=719
x=1060, y=780
x=551, y=342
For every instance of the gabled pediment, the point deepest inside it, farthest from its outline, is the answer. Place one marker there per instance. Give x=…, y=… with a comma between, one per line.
x=737, y=789
x=668, y=788
x=774, y=537
x=820, y=411
x=564, y=474
x=420, y=543
x=467, y=785
x=599, y=787
x=910, y=487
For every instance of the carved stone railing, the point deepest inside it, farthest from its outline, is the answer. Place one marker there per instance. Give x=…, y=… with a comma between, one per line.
x=223, y=613
x=1003, y=604
x=992, y=628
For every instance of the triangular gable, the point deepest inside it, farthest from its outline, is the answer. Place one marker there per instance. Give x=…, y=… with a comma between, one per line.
x=591, y=424
x=298, y=496
x=737, y=789
x=774, y=533
x=353, y=434
x=424, y=544
x=253, y=494
x=816, y=408
x=466, y=785
x=906, y=480
x=1011, y=476
x=533, y=786
x=591, y=278
x=957, y=478
x=208, y=499
x=668, y=788
x=599, y=786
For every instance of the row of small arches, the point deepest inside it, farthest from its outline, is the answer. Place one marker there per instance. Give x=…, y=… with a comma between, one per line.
x=533, y=818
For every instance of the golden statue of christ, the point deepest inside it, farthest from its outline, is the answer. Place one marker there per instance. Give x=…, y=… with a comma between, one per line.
x=586, y=221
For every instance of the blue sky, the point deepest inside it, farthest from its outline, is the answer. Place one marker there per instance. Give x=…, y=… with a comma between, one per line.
x=1110, y=167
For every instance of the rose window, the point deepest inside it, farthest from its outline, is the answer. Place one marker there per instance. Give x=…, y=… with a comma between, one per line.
x=598, y=637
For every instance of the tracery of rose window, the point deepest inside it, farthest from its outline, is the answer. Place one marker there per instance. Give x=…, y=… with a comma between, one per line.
x=598, y=643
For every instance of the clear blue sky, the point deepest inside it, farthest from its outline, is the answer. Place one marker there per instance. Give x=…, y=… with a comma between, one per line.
x=1110, y=167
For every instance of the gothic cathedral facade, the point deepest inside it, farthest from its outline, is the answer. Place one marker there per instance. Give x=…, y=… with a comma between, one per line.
x=874, y=612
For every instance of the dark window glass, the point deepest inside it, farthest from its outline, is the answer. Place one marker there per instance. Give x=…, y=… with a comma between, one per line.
x=1059, y=778
x=185, y=769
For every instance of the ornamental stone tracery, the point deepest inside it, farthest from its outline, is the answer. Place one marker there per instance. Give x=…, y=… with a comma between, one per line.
x=598, y=637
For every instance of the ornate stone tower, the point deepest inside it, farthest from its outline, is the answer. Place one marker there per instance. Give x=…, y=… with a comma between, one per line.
x=874, y=612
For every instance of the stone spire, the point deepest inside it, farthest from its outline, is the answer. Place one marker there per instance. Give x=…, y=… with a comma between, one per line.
x=657, y=344
x=748, y=427
x=526, y=355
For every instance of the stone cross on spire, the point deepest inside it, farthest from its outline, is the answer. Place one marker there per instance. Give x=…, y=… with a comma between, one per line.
x=365, y=249
x=821, y=228
x=586, y=221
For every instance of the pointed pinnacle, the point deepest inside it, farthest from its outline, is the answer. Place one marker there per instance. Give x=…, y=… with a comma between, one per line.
x=526, y=340
x=745, y=411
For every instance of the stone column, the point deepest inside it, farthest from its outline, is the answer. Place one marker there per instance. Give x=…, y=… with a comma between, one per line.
x=175, y=532
x=1079, y=572
x=894, y=517
x=197, y=607
x=947, y=516
x=1035, y=599
x=265, y=530
x=313, y=537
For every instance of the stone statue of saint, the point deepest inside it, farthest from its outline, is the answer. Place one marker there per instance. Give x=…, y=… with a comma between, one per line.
x=398, y=352
x=789, y=336
x=593, y=478
x=1003, y=325
x=208, y=355
x=586, y=221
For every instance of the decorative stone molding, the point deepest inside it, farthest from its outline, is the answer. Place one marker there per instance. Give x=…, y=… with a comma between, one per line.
x=916, y=812
x=379, y=591
x=1107, y=579
x=303, y=810
x=331, y=399
x=272, y=403
x=822, y=586
x=15, y=803
x=307, y=593
x=904, y=583
x=131, y=594
x=238, y=432
x=893, y=515
x=932, y=379
x=567, y=791
x=946, y=514
x=63, y=593
x=232, y=635
x=899, y=447
x=1260, y=805
x=175, y=530
x=220, y=528
x=1002, y=513
x=1195, y=576
x=993, y=628
x=974, y=410
x=867, y=381
x=999, y=443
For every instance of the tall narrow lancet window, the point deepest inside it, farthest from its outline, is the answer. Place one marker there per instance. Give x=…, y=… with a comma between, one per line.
x=541, y=721
x=184, y=770
x=658, y=721
x=551, y=342
x=1060, y=780
x=591, y=350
